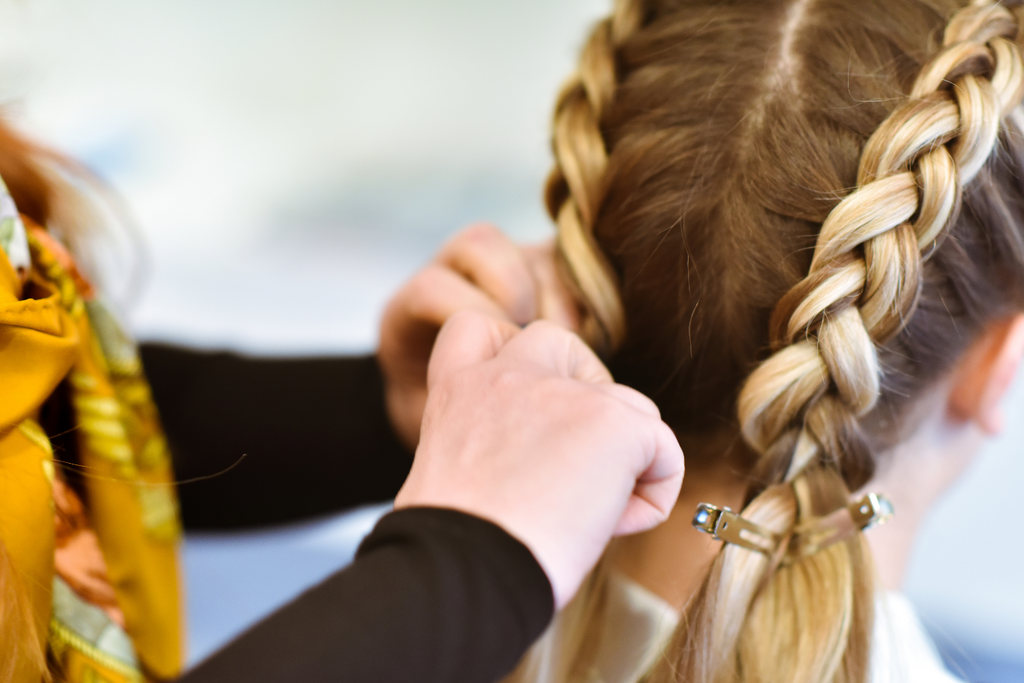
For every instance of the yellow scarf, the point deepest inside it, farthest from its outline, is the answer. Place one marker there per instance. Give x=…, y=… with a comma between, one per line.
x=61, y=333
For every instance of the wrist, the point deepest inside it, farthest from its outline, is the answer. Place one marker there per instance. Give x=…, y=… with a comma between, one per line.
x=554, y=556
x=404, y=409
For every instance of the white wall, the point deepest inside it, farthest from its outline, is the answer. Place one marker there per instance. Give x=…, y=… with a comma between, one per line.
x=292, y=161
x=227, y=123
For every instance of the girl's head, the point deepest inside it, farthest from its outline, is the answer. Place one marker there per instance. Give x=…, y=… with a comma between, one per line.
x=787, y=221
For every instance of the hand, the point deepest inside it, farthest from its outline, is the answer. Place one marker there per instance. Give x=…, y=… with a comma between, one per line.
x=528, y=430
x=481, y=270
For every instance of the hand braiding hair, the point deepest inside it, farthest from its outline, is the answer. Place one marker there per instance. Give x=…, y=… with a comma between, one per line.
x=575, y=187
x=865, y=273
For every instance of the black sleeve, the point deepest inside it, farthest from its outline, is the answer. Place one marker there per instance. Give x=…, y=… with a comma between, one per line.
x=314, y=433
x=434, y=595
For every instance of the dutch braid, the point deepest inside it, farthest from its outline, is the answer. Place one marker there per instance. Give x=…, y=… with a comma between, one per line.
x=575, y=187
x=865, y=273
x=803, y=404
x=573, y=196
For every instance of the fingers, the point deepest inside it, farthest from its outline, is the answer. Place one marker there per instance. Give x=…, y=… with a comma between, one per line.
x=495, y=264
x=657, y=484
x=466, y=339
x=640, y=515
x=633, y=398
x=554, y=301
x=435, y=294
x=555, y=349
x=478, y=270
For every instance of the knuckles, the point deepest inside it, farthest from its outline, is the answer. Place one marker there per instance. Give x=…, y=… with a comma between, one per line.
x=413, y=301
x=420, y=294
x=478, y=234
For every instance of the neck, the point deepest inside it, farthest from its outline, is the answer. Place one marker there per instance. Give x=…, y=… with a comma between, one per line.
x=672, y=559
x=914, y=477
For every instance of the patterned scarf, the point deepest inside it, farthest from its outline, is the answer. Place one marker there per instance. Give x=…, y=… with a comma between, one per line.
x=102, y=576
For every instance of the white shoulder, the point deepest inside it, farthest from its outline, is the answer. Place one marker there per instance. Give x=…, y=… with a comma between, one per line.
x=902, y=651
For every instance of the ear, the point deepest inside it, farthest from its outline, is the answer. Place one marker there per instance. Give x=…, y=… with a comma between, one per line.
x=985, y=373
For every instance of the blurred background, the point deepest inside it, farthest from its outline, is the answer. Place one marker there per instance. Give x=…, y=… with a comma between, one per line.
x=291, y=162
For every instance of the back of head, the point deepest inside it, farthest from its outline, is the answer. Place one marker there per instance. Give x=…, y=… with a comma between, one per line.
x=787, y=220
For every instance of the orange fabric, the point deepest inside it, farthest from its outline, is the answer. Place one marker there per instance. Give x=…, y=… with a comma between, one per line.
x=78, y=558
x=63, y=257
x=39, y=343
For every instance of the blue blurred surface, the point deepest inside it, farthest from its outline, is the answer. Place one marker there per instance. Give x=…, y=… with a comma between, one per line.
x=235, y=579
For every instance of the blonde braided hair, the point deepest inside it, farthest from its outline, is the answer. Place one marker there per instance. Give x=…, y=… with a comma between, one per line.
x=864, y=278
x=802, y=406
x=865, y=274
x=573, y=196
x=575, y=187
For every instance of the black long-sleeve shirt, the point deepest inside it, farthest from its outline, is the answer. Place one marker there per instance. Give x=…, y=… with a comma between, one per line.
x=314, y=433
x=434, y=595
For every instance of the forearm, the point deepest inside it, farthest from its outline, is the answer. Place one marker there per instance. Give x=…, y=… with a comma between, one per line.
x=434, y=595
x=313, y=431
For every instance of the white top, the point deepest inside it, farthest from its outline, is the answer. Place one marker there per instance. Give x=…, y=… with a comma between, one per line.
x=638, y=625
x=902, y=652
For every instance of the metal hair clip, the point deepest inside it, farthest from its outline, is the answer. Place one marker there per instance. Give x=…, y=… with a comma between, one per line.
x=814, y=535
x=817, y=534
x=726, y=525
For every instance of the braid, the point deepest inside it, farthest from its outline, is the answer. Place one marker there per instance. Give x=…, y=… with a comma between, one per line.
x=800, y=409
x=574, y=194
x=711, y=128
x=576, y=185
x=865, y=275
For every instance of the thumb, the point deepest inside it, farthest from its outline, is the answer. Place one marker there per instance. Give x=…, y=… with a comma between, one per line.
x=554, y=300
x=467, y=338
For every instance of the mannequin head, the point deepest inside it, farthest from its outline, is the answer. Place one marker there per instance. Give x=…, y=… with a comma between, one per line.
x=797, y=227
